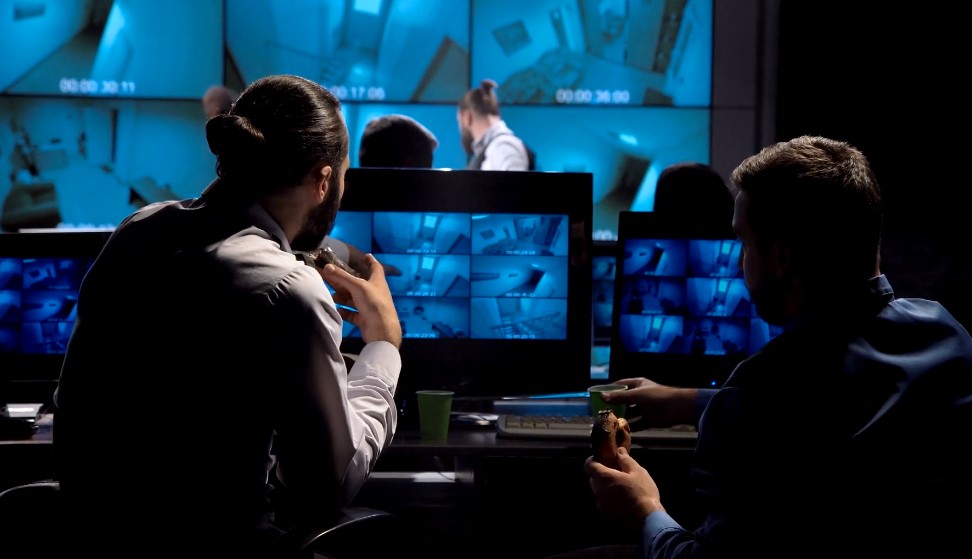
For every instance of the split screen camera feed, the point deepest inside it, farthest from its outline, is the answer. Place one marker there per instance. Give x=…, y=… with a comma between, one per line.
x=38, y=303
x=469, y=275
x=687, y=296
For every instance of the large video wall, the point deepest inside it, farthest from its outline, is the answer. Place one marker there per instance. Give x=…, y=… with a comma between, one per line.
x=100, y=100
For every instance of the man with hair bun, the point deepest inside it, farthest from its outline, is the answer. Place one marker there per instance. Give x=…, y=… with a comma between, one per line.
x=487, y=140
x=223, y=350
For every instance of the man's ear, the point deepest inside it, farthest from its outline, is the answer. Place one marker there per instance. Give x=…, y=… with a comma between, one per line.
x=322, y=176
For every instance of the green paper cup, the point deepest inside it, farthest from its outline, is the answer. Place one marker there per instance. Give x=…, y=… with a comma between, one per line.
x=598, y=403
x=435, y=407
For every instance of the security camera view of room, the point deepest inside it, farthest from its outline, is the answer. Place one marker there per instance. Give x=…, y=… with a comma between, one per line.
x=71, y=162
x=362, y=51
x=718, y=297
x=643, y=295
x=428, y=317
x=112, y=48
x=601, y=52
x=421, y=233
x=38, y=298
x=427, y=275
x=655, y=257
x=519, y=318
x=519, y=235
x=708, y=336
x=714, y=258
x=519, y=276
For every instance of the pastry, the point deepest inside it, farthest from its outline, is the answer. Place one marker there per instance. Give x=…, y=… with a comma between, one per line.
x=609, y=433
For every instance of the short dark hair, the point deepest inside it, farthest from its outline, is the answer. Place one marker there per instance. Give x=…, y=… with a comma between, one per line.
x=396, y=141
x=277, y=131
x=821, y=198
x=481, y=100
x=695, y=193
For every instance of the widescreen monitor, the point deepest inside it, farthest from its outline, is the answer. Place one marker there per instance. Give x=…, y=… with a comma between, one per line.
x=682, y=312
x=40, y=275
x=494, y=283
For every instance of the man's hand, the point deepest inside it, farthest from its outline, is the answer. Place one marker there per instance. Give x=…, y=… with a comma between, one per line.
x=660, y=405
x=627, y=495
x=376, y=317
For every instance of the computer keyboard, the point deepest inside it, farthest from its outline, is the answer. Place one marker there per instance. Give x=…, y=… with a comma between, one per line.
x=577, y=428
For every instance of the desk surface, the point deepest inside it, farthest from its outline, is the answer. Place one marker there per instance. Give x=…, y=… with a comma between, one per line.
x=483, y=440
x=467, y=441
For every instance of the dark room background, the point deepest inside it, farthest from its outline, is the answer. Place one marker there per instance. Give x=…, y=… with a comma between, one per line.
x=887, y=81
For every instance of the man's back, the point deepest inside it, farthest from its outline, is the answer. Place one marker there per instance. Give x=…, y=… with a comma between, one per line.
x=168, y=395
x=850, y=427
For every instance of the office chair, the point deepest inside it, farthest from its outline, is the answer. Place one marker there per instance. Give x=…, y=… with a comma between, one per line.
x=29, y=518
x=28, y=513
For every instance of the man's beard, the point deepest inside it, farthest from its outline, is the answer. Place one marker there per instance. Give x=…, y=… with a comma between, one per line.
x=467, y=140
x=319, y=223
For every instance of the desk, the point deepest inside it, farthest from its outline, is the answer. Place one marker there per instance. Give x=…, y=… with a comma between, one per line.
x=474, y=494
x=496, y=491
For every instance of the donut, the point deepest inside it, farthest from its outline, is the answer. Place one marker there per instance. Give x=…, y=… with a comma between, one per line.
x=320, y=257
x=609, y=433
x=324, y=256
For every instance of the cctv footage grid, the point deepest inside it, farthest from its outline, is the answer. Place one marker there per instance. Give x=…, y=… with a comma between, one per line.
x=469, y=275
x=38, y=303
x=687, y=296
x=541, y=52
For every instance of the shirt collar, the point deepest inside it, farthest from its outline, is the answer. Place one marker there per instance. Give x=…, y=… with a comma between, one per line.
x=262, y=219
x=876, y=295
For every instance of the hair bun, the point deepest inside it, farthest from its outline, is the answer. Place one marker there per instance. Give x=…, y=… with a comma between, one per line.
x=228, y=132
x=240, y=147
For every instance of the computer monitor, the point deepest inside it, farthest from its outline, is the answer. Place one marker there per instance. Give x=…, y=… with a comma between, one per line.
x=40, y=274
x=494, y=294
x=682, y=312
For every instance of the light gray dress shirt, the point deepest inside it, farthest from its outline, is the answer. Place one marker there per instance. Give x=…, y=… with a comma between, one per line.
x=200, y=343
x=500, y=150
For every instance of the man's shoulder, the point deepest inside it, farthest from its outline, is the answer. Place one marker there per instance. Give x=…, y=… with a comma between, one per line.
x=921, y=309
x=258, y=259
